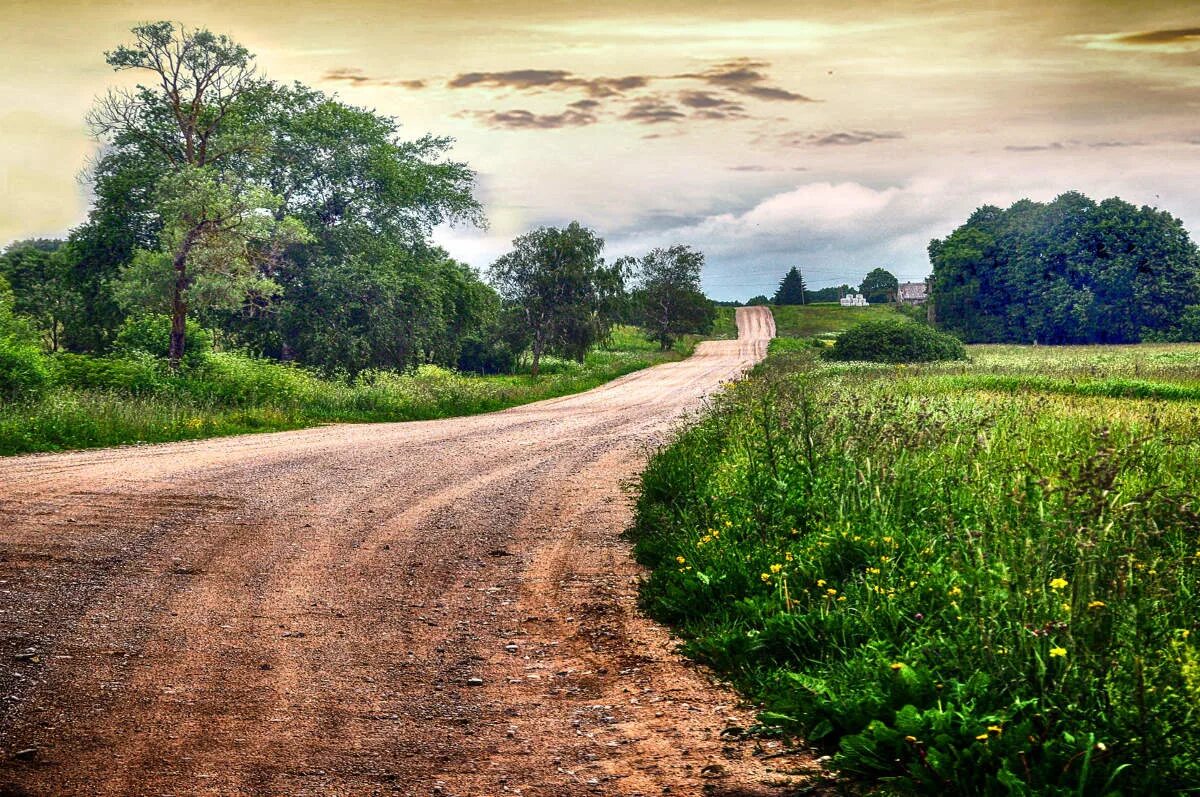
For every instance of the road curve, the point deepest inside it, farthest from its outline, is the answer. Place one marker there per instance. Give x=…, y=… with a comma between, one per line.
x=437, y=607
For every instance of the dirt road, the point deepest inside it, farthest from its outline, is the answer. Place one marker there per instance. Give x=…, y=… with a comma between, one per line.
x=423, y=608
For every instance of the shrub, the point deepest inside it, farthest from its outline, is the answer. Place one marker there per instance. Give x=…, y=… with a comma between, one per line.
x=136, y=373
x=896, y=342
x=486, y=357
x=151, y=334
x=23, y=369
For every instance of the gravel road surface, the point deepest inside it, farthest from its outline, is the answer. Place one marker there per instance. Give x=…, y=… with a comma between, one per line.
x=438, y=607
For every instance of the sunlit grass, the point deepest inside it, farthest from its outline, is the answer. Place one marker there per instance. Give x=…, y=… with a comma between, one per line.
x=954, y=581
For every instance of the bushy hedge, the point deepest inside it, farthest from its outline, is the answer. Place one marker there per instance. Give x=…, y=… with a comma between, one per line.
x=896, y=342
x=23, y=369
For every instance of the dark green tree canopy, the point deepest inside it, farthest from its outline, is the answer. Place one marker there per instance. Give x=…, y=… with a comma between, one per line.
x=791, y=289
x=560, y=294
x=1068, y=271
x=668, y=298
x=879, y=286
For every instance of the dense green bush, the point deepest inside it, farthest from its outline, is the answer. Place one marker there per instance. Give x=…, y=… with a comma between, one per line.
x=954, y=590
x=151, y=334
x=486, y=356
x=23, y=369
x=135, y=373
x=890, y=341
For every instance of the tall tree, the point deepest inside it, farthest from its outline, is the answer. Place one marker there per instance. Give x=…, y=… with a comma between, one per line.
x=39, y=273
x=879, y=286
x=791, y=288
x=199, y=79
x=561, y=294
x=668, y=296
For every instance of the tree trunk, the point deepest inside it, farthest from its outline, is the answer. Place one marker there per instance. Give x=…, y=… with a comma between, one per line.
x=537, y=356
x=179, y=304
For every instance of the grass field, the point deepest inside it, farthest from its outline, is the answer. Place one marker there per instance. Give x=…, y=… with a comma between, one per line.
x=101, y=402
x=812, y=320
x=978, y=578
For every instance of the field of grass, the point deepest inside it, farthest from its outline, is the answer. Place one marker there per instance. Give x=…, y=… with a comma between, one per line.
x=101, y=402
x=975, y=579
x=813, y=320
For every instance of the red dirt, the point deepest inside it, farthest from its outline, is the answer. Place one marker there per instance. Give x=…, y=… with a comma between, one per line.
x=302, y=613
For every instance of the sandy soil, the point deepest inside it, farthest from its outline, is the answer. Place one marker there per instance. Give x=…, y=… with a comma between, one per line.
x=423, y=608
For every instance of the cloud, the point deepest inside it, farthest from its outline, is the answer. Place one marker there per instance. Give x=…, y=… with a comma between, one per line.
x=1170, y=40
x=528, y=120
x=1055, y=146
x=652, y=111
x=1160, y=37
x=850, y=138
x=359, y=78
x=549, y=79
x=744, y=76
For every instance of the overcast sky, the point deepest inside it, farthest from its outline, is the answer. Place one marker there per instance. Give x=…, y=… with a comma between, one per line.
x=833, y=136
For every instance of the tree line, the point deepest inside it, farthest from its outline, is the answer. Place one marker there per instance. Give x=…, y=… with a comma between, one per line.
x=879, y=286
x=298, y=228
x=1068, y=271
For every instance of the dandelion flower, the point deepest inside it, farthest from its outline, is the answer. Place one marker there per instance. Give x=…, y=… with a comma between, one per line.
x=1058, y=583
x=831, y=592
x=680, y=559
x=820, y=582
x=1058, y=652
x=765, y=577
x=775, y=568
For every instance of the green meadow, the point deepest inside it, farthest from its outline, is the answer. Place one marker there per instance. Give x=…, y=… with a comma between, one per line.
x=975, y=578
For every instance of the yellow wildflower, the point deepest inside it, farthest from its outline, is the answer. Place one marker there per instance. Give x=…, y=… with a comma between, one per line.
x=1097, y=605
x=841, y=597
x=765, y=577
x=680, y=559
x=820, y=582
x=955, y=592
x=982, y=737
x=1058, y=583
x=775, y=568
x=996, y=729
x=1058, y=652
x=788, y=556
x=897, y=665
x=831, y=592
x=1066, y=607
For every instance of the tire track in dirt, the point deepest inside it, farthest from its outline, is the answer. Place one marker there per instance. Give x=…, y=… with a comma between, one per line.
x=307, y=613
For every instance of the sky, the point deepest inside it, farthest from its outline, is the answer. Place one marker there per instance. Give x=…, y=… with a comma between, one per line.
x=836, y=136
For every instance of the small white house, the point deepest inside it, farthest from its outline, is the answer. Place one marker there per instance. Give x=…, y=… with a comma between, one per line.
x=853, y=300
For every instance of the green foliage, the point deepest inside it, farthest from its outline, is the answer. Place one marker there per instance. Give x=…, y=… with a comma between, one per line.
x=758, y=301
x=39, y=273
x=560, y=294
x=150, y=335
x=791, y=288
x=668, y=299
x=825, y=319
x=132, y=397
x=896, y=341
x=952, y=589
x=879, y=286
x=1071, y=271
x=23, y=369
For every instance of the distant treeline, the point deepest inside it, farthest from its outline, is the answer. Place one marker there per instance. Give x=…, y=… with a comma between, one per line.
x=1069, y=271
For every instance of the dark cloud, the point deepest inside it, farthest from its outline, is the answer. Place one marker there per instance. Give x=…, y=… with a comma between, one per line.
x=358, y=78
x=1161, y=37
x=850, y=138
x=651, y=111
x=528, y=120
x=585, y=105
x=707, y=100
x=745, y=76
x=549, y=79
x=1054, y=146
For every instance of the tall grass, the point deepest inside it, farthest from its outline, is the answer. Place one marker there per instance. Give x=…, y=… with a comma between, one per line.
x=104, y=402
x=953, y=588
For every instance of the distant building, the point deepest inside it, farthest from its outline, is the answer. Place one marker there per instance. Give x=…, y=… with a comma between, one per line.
x=853, y=300
x=913, y=293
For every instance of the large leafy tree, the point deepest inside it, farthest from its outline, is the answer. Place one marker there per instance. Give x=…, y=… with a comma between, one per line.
x=187, y=117
x=791, y=288
x=1068, y=271
x=879, y=286
x=668, y=297
x=561, y=295
x=343, y=172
